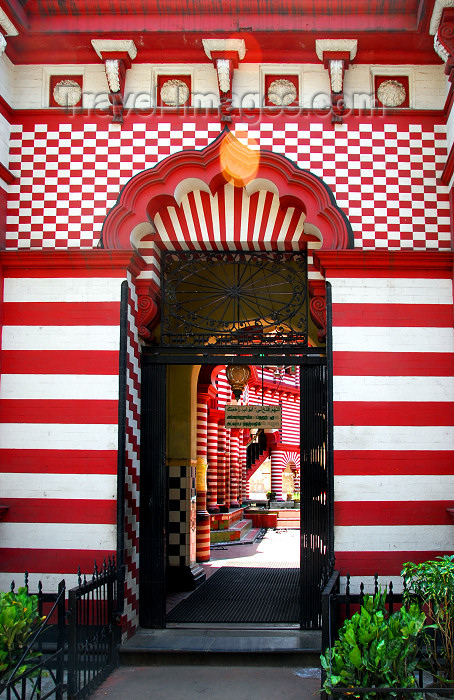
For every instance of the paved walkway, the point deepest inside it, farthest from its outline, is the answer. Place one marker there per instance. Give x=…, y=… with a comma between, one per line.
x=210, y=682
x=191, y=682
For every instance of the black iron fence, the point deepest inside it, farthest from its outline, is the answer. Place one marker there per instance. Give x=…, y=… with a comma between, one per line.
x=338, y=606
x=76, y=645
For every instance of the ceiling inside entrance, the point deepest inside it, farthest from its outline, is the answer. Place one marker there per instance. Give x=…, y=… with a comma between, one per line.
x=172, y=31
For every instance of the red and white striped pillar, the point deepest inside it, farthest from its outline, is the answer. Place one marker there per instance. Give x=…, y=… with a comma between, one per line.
x=203, y=517
x=234, y=468
x=223, y=505
x=277, y=469
x=227, y=472
x=244, y=487
x=212, y=452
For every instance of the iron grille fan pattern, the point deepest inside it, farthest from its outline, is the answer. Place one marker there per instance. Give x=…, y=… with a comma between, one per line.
x=234, y=299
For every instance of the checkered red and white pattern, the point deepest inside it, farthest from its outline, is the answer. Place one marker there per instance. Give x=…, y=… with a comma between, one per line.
x=132, y=465
x=382, y=173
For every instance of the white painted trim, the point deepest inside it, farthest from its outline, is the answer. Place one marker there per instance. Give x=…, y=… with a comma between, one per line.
x=390, y=389
x=58, y=436
x=391, y=339
x=393, y=487
x=383, y=538
x=390, y=291
x=69, y=289
x=83, y=387
x=400, y=438
x=58, y=536
x=60, y=338
x=88, y=487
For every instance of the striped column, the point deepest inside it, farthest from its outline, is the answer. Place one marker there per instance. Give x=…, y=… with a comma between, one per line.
x=212, y=451
x=277, y=468
x=203, y=517
x=227, y=472
x=234, y=468
x=221, y=469
x=244, y=486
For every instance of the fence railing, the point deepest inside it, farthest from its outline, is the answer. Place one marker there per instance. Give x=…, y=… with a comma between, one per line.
x=337, y=607
x=77, y=642
x=93, y=633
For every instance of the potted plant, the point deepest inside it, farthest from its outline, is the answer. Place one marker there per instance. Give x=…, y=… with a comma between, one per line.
x=431, y=585
x=374, y=650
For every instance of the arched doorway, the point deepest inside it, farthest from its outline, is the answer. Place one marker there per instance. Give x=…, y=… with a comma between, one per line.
x=232, y=201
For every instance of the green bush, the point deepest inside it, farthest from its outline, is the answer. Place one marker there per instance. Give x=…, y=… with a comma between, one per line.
x=431, y=585
x=19, y=619
x=375, y=649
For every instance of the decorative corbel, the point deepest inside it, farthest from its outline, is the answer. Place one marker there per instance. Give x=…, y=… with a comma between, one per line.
x=317, y=307
x=446, y=40
x=148, y=311
x=225, y=54
x=336, y=54
x=117, y=55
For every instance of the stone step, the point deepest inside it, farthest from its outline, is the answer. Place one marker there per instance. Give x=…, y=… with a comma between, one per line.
x=236, y=531
x=223, y=645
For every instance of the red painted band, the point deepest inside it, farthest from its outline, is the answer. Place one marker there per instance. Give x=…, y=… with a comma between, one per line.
x=393, y=364
x=59, y=411
x=393, y=413
x=52, y=561
x=55, y=510
x=59, y=461
x=391, y=462
x=103, y=313
x=366, y=513
x=382, y=315
x=60, y=362
x=383, y=563
x=384, y=264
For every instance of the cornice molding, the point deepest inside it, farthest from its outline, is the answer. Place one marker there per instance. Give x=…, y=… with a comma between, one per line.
x=335, y=45
x=6, y=24
x=402, y=263
x=230, y=45
x=114, y=46
x=54, y=261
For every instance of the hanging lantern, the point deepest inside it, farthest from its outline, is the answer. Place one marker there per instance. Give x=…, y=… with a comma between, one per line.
x=238, y=376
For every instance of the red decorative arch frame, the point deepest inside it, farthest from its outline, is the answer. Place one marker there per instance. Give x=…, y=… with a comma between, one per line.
x=225, y=160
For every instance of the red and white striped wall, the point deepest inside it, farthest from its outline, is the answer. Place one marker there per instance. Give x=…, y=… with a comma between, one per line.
x=59, y=412
x=393, y=408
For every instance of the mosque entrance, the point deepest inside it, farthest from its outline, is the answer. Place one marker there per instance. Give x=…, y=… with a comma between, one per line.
x=229, y=309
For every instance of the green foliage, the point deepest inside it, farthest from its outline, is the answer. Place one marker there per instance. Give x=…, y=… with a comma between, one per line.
x=431, y=585
x=19, y=619
x=375, y=649
x=271, y=495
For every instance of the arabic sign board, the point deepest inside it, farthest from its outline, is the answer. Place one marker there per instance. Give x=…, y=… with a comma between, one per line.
x=253, y=417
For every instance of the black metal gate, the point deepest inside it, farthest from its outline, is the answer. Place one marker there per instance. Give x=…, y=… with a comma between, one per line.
x=317, y=551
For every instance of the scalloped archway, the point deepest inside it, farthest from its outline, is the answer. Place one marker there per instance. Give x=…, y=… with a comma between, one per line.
x=297, y=200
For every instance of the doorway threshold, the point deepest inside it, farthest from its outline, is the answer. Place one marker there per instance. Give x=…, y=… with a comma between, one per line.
x=239, y=645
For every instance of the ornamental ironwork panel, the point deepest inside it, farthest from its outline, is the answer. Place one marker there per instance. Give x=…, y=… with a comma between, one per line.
x=234, y=299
